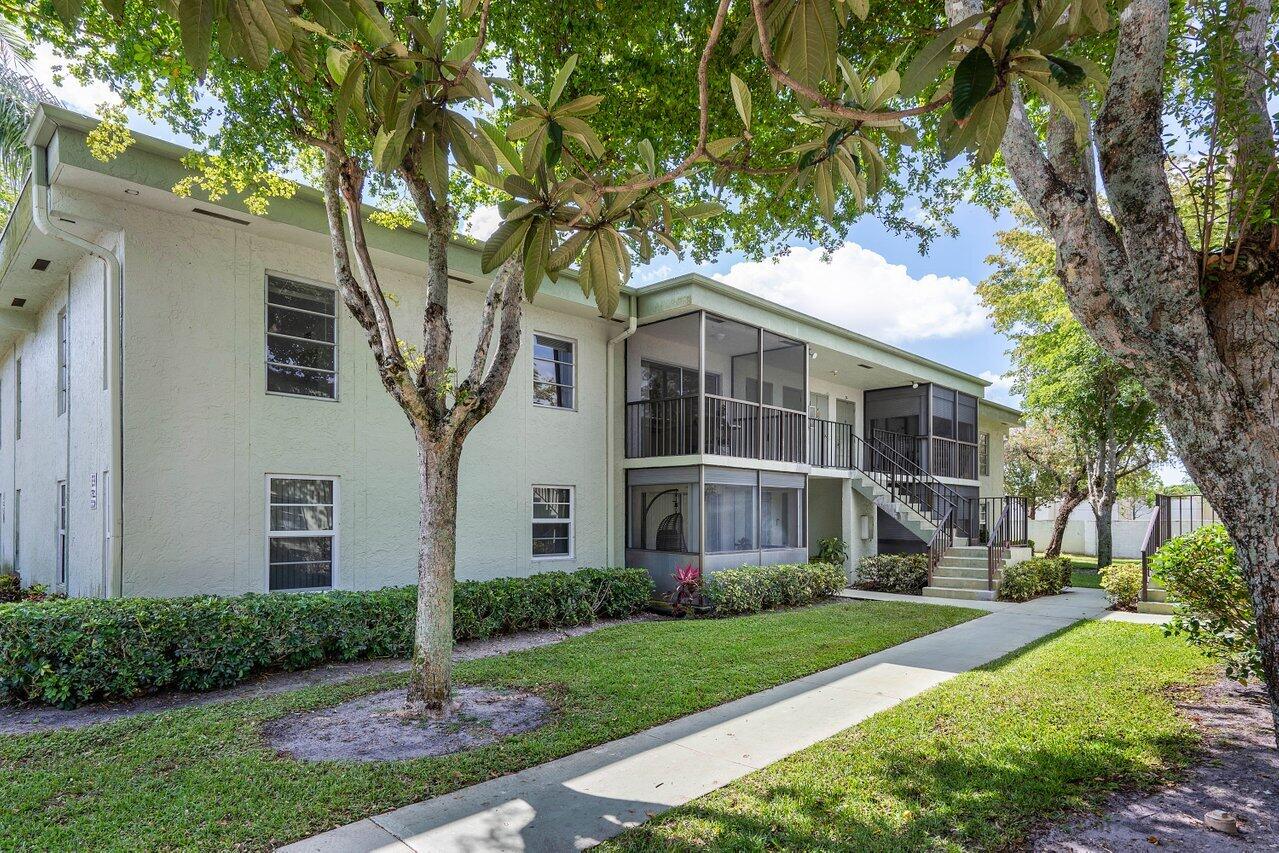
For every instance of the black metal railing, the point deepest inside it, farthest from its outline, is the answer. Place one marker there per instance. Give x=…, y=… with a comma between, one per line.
x=830, y=444
x=943, y=538
x=1172, y=516
x=951, y=458
x=911, y=447
x=661, y=427
x=783, y=435
x=732, y=427
x=1018, y=519
x=998, y=544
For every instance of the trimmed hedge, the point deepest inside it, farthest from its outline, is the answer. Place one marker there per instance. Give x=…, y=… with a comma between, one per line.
x=754, y=588
x=1033, y=578
x=71, y=652
x=1122, y=583
x=904, y=573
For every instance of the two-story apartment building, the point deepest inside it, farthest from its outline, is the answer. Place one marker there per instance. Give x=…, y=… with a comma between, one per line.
x=185, y=407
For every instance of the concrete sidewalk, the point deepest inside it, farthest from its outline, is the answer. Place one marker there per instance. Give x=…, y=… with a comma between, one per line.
x=582, y=799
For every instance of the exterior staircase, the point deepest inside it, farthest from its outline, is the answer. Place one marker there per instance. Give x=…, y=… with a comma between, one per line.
x=1156, y=600
x=905, y=511
x=962, y=573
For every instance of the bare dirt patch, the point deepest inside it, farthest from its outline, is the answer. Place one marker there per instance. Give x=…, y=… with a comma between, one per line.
x=30, y=719
x=1237, y=772
x=371, y=728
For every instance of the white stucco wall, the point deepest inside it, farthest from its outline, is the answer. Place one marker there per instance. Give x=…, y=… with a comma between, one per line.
x=992, y=484
x=202, y=434
x=73, y=446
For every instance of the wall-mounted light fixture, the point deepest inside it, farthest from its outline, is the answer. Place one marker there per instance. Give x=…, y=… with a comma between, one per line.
x=864, y=524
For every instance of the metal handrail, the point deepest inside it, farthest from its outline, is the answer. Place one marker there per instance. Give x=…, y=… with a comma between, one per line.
x=892, y=481
x=997, y=549
x=1148, y=546
x=943, y=537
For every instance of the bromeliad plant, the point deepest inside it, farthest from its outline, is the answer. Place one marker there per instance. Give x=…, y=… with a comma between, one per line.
x=688, y=589
x=396, y=100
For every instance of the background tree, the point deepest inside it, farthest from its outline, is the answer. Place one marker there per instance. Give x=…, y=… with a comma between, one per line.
x=19, y=93
x=1066, y=380
x=1137, y=490
x=1046, y=466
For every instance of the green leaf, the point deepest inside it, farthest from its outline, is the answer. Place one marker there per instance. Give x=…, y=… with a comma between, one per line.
x=537, y=251
x=248, y=42
x=647, y=157
x=338, y=61
x=508, y=158
x=565, y=253
x=561, y=79
x=929, y=61
x=973, y=79
x=1065, y=102
x=860, y=8
x=333, y=15
x=717, y=148
x=68, y=10
x=508, y=237
x=371, y=24
x=741, y=99
x=885, y=86
x=700, y=210
x=825, y=189
x=352, y=84
x=272, y=19
x=196, y=20
x=808, y=40
x=990, y=120
x=1065, y=72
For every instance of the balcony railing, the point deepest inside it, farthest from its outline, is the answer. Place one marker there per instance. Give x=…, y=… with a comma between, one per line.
x=952, y=458
x=911, y=447
x=661, y=427
x=740, y=428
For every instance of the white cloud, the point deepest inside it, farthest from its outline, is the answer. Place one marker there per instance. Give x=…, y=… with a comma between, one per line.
x=1001, y=388
x=650, y=274
x=483, y=222
x=49, y=68
x=860, y=290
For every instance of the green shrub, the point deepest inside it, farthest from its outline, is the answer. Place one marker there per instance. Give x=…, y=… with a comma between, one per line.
x=10, y=588
x=1033, y=578
x=71, y=652
x=832, y=550
x=754, y=588
x=905, y=573
x=1213, y=606
x=1122, y=583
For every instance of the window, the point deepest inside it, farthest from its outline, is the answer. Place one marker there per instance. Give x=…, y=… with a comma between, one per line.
x=301, y=529
x=983, y=454
x=730, y=518
x=552, y=522
x=553, y=377
x=780, y=513
x=301, y=339
x=17, y=399
x=943, y=413
x=62, y=534
x=63, y=372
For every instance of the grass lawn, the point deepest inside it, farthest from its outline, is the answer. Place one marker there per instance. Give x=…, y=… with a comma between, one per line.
x=1084, y=570
x=201, y=777
x=974, y=764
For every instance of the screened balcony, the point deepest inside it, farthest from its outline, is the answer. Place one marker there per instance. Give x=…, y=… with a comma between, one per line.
x=703, y=384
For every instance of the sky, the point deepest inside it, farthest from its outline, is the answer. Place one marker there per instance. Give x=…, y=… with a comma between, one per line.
x=877, y=283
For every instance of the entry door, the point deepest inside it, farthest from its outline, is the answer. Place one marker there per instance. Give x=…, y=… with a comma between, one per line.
x=819, y=406
x=845, y=413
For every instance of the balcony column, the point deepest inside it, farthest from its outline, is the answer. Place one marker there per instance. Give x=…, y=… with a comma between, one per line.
x=759, y=394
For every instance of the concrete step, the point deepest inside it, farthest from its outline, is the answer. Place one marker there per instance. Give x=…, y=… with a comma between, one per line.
x=1156, y=594
x=1161, y=607
x=954, y=559
x=951, y=592
x=951, y=582
x=946, y=570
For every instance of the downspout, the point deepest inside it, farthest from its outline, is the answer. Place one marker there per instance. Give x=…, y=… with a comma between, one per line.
x=112, y=347
x=610, y=419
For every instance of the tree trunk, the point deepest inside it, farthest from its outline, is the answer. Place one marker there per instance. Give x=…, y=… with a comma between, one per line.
x=431, y=678
x=1069, y=500
x=1105, y=535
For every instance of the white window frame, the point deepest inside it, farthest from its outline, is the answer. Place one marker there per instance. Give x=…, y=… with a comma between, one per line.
x=308, y=534
x=62, y=541
x=576, y=386
x=64, y=371
x=337, y=348
x=570, y=521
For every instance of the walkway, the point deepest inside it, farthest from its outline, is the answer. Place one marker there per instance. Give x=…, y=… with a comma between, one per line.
x=582, y=799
